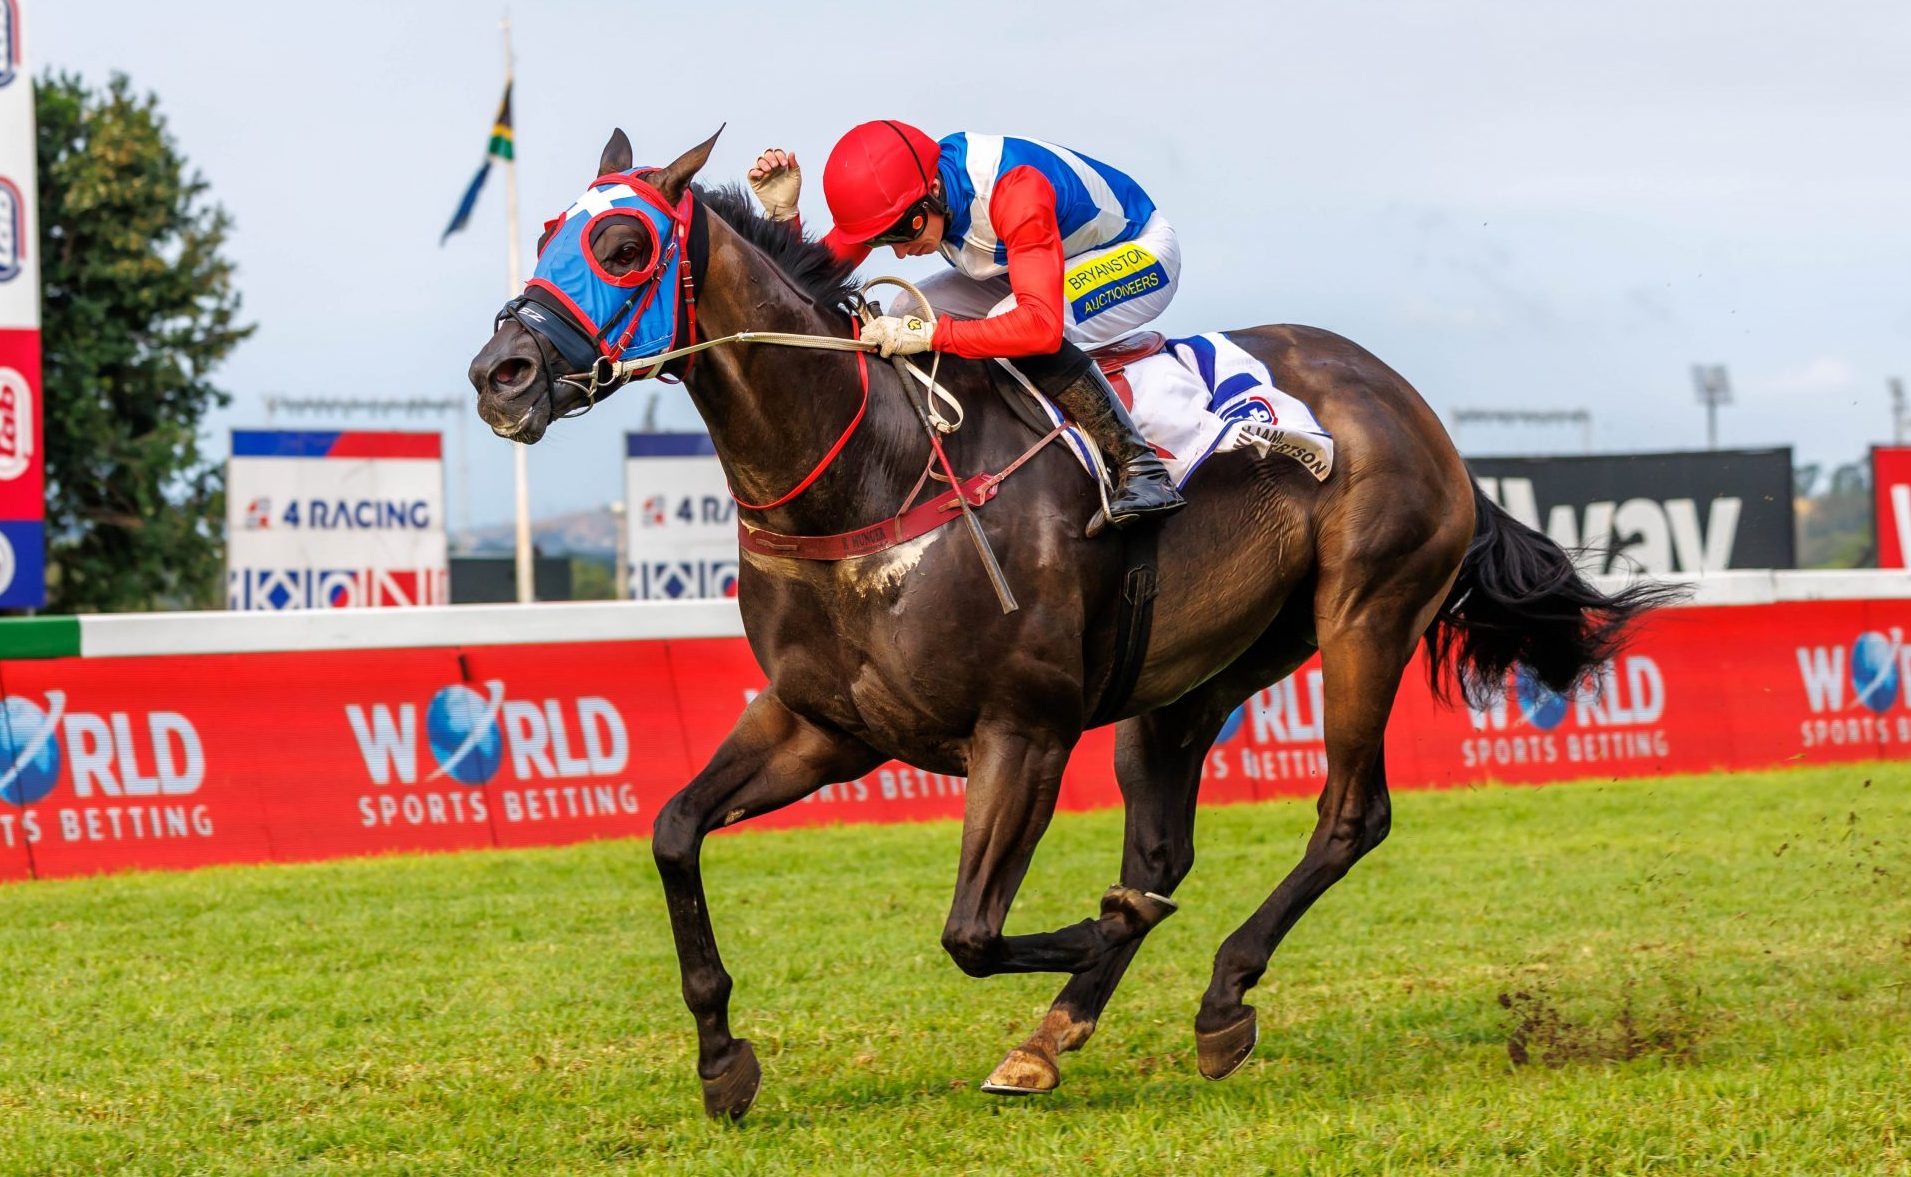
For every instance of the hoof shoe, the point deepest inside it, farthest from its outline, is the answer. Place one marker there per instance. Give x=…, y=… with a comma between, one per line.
x=729, y=1095
x=1145, y=907
x=1223, y=1051
x=1023, y=1072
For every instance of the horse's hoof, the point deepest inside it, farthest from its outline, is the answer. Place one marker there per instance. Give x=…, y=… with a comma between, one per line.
x=730, y=1094
x=1023, y=1072
x=1146, y=907
x=1223, y=1051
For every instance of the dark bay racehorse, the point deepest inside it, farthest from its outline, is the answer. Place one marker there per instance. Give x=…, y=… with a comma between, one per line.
x=905, y=654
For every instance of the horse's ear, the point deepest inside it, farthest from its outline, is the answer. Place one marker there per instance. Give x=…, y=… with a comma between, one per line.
x=616, y=157
x=672, y=180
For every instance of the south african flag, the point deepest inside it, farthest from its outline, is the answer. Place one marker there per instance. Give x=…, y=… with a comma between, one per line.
x=499, y=148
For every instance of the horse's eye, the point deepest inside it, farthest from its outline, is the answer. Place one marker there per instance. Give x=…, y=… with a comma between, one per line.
x=627, y=253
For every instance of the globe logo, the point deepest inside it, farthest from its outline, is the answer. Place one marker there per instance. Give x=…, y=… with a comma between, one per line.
x=28, y=749
x=462, y=726
x=1874, y=669
x=1232, y=727
x=1540, y=705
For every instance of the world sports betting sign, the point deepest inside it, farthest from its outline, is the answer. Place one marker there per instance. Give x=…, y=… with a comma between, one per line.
x=681, y=518
x=335, y=520
x=186, y=760
x=22, y=466
x=169, y=761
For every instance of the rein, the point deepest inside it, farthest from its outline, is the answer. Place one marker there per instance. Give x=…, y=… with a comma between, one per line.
x=608, y=373
x=862, y=368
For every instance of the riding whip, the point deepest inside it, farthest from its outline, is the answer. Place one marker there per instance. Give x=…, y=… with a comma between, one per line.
x=904, y=369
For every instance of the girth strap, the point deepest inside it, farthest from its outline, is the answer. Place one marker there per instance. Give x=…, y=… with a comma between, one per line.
x=1134, y=620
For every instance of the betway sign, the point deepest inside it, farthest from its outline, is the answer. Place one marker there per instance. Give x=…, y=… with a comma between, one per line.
x=1654, y=513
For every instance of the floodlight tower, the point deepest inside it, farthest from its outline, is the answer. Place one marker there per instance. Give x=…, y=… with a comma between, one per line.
x=1714, y=388
x=1898, y=415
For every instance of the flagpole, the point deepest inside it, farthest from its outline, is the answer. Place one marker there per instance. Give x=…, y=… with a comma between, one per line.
x=520, y=462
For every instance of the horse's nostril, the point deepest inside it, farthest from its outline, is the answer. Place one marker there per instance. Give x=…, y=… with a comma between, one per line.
x=511, y=374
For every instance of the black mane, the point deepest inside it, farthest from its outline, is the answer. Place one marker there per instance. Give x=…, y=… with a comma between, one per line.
x=808, y=263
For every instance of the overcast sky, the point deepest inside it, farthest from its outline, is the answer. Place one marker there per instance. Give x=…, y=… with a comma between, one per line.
x=1515, y=203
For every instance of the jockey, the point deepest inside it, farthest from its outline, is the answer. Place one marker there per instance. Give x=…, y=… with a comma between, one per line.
x=1053, y=252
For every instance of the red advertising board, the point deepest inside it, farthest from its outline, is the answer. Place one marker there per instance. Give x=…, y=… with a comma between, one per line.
x=22, y=470
x=22, y=465
x=189, y=760
x=1891, y=491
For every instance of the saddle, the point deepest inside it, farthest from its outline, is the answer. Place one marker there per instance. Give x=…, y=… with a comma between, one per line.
x=1113, y=357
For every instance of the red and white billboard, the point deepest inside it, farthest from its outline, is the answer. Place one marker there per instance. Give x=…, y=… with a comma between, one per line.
x=22, y=464
x=1891, y=490
x=335, y=520
x=188, y=760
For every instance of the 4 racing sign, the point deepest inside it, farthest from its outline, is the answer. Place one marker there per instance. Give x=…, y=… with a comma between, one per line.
x=682, y=520
x=335, y=520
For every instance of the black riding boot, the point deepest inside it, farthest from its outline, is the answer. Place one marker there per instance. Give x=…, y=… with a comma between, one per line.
x=1143, y=489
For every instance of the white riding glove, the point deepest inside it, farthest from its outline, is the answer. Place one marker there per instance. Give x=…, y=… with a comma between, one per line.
x=904, y=336
x=777, y=182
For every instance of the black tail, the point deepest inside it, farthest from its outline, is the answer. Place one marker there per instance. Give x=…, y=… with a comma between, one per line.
x=1519, y=600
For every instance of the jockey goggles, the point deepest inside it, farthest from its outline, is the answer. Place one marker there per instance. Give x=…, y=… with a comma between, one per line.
x=587, y=313
x=910, y=226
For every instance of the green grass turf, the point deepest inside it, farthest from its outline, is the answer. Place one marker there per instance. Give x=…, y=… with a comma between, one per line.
x=1718, y=970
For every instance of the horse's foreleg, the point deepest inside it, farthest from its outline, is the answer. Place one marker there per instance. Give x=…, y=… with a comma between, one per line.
x=1015, y=773
x=771, y=758
x=1363, y=653
x=1158, y=760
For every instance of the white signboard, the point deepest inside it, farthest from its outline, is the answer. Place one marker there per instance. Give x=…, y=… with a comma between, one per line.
x=22, y=463
x=335, y=520
x=19, y=234
x=682, y=520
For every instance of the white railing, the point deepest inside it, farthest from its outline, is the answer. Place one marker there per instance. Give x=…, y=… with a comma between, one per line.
x=128, y=634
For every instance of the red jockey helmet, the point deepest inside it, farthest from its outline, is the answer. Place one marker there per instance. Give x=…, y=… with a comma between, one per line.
x=874, y=173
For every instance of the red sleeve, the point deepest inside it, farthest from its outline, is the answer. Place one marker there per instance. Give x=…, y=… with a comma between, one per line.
x=845, y=249
x=1022, y=211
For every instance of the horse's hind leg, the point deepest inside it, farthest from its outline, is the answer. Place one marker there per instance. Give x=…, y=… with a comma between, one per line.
x=771, y=758
x=1366, y=640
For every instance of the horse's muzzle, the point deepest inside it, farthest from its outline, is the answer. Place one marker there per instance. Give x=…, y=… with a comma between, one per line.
x=511, y=379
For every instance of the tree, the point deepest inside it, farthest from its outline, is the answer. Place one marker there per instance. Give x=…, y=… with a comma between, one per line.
x=1834, y=528
x=138, y=307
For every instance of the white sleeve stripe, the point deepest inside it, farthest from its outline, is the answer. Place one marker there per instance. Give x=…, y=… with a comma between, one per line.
x=985, y=157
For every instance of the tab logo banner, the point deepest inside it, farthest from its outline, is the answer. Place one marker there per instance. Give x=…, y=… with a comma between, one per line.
x=13, y=230
x=22, y=483
x=9, y=42
x=18, y=429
